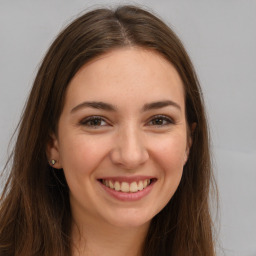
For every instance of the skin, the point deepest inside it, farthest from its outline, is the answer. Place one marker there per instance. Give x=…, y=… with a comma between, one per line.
x=125, y=142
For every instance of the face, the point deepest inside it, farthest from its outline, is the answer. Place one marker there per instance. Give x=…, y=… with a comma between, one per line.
x=122, y=137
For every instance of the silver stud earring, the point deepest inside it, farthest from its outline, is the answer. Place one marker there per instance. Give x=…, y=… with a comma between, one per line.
x=53, y=162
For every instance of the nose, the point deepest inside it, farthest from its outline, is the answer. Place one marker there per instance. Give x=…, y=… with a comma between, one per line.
x=129, y=150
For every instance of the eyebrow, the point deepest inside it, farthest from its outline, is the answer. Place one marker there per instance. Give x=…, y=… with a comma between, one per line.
x=160, y=104
x=96, y=105
x=110, y=107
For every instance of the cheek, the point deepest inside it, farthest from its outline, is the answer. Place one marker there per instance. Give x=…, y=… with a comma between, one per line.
x=170, y=157
x=81, y=155
x=172, y=150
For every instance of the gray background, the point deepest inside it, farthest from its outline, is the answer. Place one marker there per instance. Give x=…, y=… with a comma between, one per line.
x=220, y=37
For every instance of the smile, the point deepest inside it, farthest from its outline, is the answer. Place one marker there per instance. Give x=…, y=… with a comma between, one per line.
x=131, y=188
x=127, y=187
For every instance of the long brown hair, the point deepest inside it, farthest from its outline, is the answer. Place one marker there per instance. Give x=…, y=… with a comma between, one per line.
x=35, y=216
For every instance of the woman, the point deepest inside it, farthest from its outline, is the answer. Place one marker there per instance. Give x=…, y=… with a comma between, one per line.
x=112, y=155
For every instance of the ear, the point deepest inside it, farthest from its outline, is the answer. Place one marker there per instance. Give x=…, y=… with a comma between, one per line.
x=190, y=141
x=52, y=152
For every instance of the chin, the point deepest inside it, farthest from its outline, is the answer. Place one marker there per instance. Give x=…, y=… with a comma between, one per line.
x=129, y=218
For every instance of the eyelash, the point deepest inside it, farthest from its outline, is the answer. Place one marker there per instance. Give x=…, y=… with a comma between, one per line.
x=85, y=122
x=162, y=118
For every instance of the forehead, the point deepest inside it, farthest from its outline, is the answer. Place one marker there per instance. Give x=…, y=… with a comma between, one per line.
x=126, y=75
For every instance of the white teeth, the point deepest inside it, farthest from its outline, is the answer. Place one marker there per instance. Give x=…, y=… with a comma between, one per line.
x=140, y=186
x=111, y=185
x=125, y=186
x=117, y=186
x=133, y=187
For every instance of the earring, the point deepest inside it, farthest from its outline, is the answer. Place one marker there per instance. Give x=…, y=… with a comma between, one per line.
x=53, y=162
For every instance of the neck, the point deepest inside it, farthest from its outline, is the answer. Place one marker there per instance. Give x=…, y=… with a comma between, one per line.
x=95, y=238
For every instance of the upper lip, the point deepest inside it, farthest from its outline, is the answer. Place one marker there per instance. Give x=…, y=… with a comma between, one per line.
x=128, y=179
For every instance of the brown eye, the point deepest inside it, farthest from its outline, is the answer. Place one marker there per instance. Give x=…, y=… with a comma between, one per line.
x=158, y=121
x=93, y=122
x=161, y=121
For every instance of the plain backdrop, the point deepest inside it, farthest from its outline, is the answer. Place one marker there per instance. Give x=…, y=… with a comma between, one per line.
x=220, y=37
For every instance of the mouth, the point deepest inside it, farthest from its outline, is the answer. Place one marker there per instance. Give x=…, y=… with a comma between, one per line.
x=127, y=186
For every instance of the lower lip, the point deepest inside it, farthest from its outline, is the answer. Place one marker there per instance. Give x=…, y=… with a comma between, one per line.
x=124, y=196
